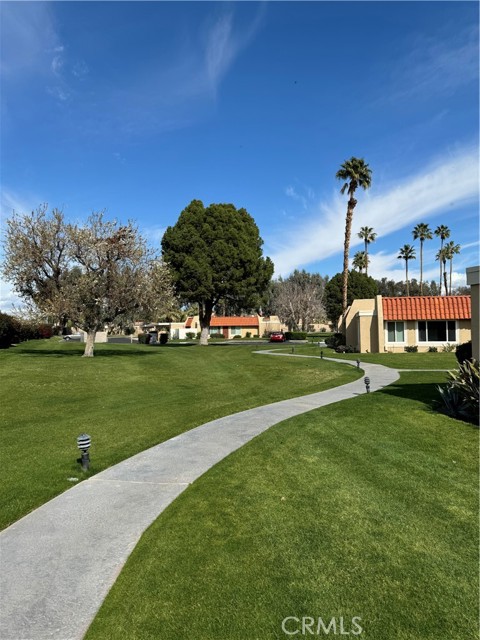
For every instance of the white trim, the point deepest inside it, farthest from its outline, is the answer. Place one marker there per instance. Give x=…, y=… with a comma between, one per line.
x=395, y=342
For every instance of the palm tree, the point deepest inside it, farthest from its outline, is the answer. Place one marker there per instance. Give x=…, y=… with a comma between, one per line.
x=442, y=257
x=443, y=232
x=422, y=232
x=407, y=252
x=451, y=249
x=355, y=173
x=360, y=261
x=367, y=234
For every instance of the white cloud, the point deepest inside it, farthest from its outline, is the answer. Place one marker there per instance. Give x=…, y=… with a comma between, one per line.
x=8, y=299
x=443, y=186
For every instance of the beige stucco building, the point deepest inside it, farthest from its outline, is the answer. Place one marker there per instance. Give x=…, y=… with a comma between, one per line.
x=378, y=325
x=473, y=279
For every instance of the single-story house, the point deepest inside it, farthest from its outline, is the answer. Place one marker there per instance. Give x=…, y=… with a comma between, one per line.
x=378, y=325
x=228, y=326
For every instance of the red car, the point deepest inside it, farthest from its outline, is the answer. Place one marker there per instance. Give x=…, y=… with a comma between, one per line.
x=277, y=336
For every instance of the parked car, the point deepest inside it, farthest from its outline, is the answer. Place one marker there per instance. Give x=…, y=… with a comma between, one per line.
x=73, y=336
x=277, y=336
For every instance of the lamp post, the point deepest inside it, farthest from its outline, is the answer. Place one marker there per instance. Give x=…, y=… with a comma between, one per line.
x=367, y=383
x=358, y=364
x=321, y=355
x=83, y=443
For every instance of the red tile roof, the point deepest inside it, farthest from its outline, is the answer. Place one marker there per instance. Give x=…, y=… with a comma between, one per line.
x=427, y=308
x=234, y=321
x=188, y=323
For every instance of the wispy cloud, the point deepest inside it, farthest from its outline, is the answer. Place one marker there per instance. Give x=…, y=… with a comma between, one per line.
x=444, y=186
x=435, y=67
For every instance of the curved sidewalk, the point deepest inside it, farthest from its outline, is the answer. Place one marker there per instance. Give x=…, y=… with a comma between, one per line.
x=58, y=563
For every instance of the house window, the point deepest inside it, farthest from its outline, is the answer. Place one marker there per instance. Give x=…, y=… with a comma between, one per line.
x=395, y=332
x=214, y=331
x=437, y=331
x=236, y=331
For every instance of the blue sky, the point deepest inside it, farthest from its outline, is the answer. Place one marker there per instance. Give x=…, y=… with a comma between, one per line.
x=140, y=107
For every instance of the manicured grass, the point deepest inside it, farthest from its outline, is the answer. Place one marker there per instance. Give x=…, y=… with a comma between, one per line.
x=128, y=397
x=365, y=508
x=395, y=360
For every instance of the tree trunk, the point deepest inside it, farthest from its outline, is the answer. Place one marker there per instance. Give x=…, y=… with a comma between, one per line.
x=406, y=276
x=346, y=250
x=451, y=268
x=89, y=345
x=440, y=262
x=421, y=267
x=205, y=315
x=366, y=258
x=445, y=278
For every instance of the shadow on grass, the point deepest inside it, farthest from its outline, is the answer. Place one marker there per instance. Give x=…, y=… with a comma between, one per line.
x=78, y=353
x=424, y=392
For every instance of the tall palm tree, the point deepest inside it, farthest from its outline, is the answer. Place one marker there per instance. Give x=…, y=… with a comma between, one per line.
x=367, y=234
x=442, y=232
x=451, y=249
x=407, y=252
x=360, y=261
x=355, y=173
x=422, y=232
x=442, y=257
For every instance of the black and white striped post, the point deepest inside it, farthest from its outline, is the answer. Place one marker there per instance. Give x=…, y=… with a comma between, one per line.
x=367, y=383
x=83, y=443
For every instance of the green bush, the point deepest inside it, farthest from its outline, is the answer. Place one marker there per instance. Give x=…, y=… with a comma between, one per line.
x=432, y=349
x=144, y=338
x=342, y=348
x=248, y=334
x=237, y=337
x=8, y=330
x=448, y=348
x=335, y=340
x=295, y=335
x=217, y=336
x=411, y=349
x=190, y=335
x=464, y=352
x=460, y=398
x=163, y=338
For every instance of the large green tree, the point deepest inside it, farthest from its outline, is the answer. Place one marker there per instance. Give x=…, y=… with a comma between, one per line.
x=354, y=173
x=215, y=254
x=422, y=232
x=359, y=286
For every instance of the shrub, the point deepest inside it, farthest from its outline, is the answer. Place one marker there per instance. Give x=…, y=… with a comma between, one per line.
x=237, y=337
x=190, y=335
x=144, y=338
x=163, y=338
x=8, y=330
x=460, y=399
x=411, y=349
x=432, y=349
x=464, y=352
x=335, y=340
x=448, y=348
x=295, y=335
x=45, y=331
x=342, y=348
x=248, y=334
x=217, y=336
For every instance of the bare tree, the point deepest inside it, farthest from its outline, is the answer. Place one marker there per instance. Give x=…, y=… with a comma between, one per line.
x=298, y=300
x=106, y=271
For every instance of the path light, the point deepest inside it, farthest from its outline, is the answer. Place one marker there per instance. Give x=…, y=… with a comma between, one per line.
x=83, y=443
x=367, y=384
x=358, y=364
x=293, y=349
x=321, y=355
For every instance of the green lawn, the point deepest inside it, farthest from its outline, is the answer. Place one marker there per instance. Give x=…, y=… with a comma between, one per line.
x=128, y=398
x=366, y=508
x=396, y=360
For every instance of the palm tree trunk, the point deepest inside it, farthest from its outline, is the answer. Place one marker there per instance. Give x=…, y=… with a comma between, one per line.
x=366, y=257
x=406, y=276
x=421, y=266
x=451, y=268
x=445, y=277
x=440, y=261
x=346, y=250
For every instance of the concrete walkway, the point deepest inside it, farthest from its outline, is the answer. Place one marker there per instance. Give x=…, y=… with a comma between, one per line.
x=58, y=563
